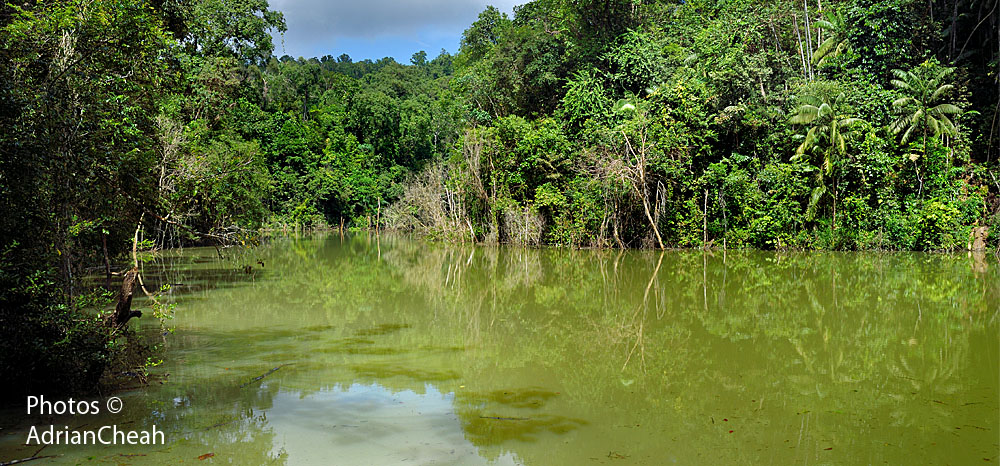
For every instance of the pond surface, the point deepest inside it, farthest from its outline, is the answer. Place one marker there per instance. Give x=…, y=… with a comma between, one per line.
x=396, y=351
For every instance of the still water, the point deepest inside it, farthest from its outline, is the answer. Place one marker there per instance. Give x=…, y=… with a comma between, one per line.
x=394, y=351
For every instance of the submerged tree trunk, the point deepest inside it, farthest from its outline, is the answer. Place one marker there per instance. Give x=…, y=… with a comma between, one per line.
x=123, y=310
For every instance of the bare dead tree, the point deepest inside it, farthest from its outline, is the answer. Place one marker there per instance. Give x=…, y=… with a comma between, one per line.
x=634, y=171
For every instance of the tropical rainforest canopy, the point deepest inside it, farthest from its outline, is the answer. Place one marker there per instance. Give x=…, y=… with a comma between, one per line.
x=846, y=125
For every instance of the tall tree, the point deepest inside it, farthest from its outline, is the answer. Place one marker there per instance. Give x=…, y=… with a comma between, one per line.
x=484, y=33
x=830, y=127
x=238, y=28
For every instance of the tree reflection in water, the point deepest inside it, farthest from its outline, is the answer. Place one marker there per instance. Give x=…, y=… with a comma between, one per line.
x=560, y=356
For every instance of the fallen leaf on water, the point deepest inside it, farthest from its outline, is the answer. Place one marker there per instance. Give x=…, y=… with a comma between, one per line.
x=206, y=456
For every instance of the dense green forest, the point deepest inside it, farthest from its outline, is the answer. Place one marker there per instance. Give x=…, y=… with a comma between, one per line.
x=127, y=125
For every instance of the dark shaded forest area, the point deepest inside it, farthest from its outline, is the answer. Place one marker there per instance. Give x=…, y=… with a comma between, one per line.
x=134, y=125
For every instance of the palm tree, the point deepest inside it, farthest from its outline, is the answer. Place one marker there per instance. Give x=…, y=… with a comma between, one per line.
x=827, y=136
x=923, y=106
x=836, y=42
x=829, y=129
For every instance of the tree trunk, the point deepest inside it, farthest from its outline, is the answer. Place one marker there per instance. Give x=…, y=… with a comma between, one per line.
x=704, y=223
x=809, y=49
x=953, y=43
x=107, y=262
x=819, y=30
x=123, y=311
x=835, y=203
x=652, y=223
x=979, y=235
x=802, y=55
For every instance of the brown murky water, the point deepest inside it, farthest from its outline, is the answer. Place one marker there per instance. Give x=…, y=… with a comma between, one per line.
x=403, y=352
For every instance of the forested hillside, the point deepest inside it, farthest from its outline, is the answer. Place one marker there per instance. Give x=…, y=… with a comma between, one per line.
x=846, y=125
x=842, y=125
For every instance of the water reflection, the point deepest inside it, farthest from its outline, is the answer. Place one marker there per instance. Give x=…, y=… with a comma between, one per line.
x=370, y=424
x=394, y=351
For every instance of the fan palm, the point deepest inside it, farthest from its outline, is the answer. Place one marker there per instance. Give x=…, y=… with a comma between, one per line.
x=923, y=106
x=836, y=42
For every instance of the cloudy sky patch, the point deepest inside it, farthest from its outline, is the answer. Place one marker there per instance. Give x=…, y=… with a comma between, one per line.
x=376, y=28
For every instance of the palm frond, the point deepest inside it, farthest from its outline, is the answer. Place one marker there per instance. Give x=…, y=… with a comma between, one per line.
x=824, y=48
x=903, y=85
x=934, y=126
x=811, y=100
x=903, y=101
x=948, y=109
x=901, y=78
x=848, y=122
x=806, y=114
x=941, y=90
x=948, y=126
x=824, y=110
x=814, y=198
x=899, y=125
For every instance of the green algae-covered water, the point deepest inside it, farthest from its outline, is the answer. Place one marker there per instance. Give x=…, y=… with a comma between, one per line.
x=364, y=351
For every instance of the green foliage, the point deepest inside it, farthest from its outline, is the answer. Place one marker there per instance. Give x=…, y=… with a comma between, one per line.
x=935, y=225
x=51, y=348
x=636, y=61
x=883, y=35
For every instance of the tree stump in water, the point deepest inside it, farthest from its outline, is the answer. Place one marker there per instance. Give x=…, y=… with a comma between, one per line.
x=123, y=310
x=978, y=240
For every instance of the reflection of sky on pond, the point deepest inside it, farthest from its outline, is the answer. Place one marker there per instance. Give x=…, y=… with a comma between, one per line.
x=369, y=424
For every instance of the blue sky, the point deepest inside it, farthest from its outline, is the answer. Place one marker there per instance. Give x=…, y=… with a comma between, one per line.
x=376, y=28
